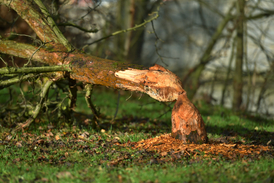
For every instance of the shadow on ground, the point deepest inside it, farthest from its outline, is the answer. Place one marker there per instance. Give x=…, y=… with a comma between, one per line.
x=240, y=134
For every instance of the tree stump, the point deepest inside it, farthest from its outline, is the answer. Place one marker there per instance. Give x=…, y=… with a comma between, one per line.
x=187, y=122
x=163, y=85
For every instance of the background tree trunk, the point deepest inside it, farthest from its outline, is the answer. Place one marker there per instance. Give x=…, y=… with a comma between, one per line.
x=238, y=78
x=129, y=45
x=134, y=46
x=122, y=23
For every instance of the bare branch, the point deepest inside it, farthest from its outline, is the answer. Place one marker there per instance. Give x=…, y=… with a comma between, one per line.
x=206, y=57
x=210, y=7
x=126, y=30
x=260, y=15
x=24, y=70
x=78, y=27
x=38, y=107
x=17, y=79
x=46, y=31
x=53, y=26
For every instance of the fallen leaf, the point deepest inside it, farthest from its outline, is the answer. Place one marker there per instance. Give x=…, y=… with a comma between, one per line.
x=44, y=180
x=19, y=144
x=8, y=138
x=57, y=137
x=117, y=138
x=120, y=178
x=65, y=174
x=85, y=135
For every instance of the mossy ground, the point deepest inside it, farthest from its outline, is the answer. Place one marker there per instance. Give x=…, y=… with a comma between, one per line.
x=53, y=150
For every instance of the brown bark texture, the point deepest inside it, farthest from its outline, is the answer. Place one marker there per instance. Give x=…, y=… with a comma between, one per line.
x=156, y=81
x=238, y=74
x=187, y=122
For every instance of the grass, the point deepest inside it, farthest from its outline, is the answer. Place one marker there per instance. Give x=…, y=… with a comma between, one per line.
x=207, y=171
x=80, y=153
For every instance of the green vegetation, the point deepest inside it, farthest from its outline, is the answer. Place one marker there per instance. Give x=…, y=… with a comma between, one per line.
x=198, y=172
x=51, y=151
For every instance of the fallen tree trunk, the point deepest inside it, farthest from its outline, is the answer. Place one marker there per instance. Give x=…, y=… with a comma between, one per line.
x=156, y=81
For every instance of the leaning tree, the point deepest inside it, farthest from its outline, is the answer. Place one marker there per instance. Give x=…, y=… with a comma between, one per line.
x=67, y=62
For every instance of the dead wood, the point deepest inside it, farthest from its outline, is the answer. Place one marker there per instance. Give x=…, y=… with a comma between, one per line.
x=187, y=122
x=156, y=81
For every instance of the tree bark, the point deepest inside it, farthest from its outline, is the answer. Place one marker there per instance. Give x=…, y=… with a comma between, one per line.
x=156, y=81
x=134, y=45
x=187, y=123
x=238, y=78
x=228, y=72
x=122, y=22
x=129, y=45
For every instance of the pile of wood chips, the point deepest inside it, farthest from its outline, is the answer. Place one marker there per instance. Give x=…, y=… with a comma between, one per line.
x=165, y=144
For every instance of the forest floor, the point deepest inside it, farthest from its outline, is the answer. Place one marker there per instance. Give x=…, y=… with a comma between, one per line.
x=135, y=146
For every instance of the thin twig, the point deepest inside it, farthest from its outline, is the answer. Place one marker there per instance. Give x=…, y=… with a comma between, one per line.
x=91, y=9
x=43, y=95
x=33, y=54
x=24, y=35
x=155, y=44
x=17, y=79
x=4, y=61
x=117, y=106
x=78, y=27
x=96, y=114
x=89, y=88
x=24, y=70
x=126, y=30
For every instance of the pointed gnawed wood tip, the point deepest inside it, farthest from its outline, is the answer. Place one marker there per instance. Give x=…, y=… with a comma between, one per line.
x=158, y=82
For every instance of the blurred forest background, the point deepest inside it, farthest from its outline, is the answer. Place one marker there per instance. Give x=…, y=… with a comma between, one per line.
x=223, y=50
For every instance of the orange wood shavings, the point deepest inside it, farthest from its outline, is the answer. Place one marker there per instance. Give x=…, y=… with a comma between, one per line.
x=165, y=143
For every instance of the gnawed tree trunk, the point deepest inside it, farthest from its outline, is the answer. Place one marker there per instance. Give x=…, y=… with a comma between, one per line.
x=156, y=81
x=187, y=123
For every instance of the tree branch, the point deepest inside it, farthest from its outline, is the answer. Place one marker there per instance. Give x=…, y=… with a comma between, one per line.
x=53, y=26
x=47, y=32
x=17, y=79
x=89, y=88
x=260, y=15
x=205, y=58
x=24, y=70
x=126, y=30
x=157, y=82
x=210, y=7
x=38, y=107
x=78, y=27
x=265, y=13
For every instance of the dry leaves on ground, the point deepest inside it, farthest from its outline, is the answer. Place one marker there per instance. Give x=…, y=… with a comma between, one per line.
x=165, y=143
